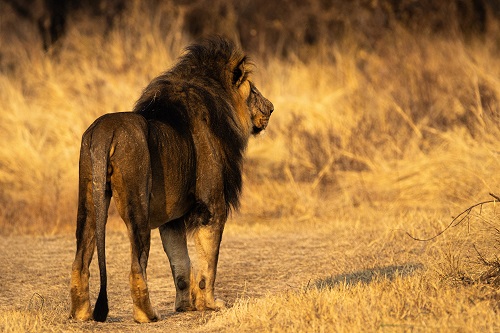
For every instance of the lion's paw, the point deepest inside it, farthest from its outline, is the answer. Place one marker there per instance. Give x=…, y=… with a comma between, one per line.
x=81, y=314
x=143, y=317
x=219, y=304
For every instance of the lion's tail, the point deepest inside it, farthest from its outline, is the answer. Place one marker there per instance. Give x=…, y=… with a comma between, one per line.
x=99, y=155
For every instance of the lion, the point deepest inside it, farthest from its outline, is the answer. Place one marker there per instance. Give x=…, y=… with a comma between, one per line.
x=174, y=163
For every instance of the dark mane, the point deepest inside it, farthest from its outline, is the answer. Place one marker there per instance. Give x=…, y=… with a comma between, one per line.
x=203, y=80
x=213, y=60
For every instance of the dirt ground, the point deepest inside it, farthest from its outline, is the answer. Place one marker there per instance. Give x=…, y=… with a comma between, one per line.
x=35, y=272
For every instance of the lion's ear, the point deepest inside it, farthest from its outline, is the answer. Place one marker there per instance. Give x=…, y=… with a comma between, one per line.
x=239, y=74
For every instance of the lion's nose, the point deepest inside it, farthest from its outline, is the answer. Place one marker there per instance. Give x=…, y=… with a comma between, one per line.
x=270, y=107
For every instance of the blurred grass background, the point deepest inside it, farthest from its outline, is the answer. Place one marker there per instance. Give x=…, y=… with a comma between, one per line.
x=389, y=106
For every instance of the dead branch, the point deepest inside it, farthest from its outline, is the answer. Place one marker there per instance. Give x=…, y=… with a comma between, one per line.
x=458, y=219
x=497, y=198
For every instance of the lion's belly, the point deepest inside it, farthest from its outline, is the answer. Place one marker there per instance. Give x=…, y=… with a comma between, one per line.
x=165, y=208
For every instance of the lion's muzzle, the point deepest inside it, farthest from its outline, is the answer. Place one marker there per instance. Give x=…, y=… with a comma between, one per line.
x=261, y=109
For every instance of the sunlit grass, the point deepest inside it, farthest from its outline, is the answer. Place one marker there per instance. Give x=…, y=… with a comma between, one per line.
x=412, y=303
x=389, y=281
x=39, y=315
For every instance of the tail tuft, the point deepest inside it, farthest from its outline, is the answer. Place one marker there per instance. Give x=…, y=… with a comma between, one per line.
x=101, y=307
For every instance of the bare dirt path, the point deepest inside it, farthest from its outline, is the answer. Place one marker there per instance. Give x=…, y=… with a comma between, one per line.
x=35, y=272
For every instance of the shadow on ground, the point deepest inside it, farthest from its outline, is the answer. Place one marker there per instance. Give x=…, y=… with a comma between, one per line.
x=368, y=275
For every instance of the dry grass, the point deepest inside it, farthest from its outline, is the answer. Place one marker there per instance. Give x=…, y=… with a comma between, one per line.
x=39, y=315
x=368, y=140
x=399, y=304
x=449, y=284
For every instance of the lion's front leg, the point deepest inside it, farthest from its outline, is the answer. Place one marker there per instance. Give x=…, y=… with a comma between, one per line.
x=173, y=237
x=207, y=241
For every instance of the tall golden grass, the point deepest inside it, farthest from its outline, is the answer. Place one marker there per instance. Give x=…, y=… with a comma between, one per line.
x=409, y=122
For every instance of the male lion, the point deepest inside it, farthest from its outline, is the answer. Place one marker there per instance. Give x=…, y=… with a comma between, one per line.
x=173, y=164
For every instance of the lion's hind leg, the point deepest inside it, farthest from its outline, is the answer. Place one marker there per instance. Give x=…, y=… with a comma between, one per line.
x=140, y=238
x=80, y=302
x=133, y=205
x=85, y=245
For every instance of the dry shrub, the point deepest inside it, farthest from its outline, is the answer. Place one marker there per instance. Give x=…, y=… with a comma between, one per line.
x=470, y=255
